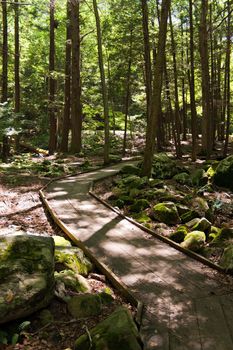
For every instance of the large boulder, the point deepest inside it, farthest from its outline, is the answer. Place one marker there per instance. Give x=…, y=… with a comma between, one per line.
x=116, y=332
x=72, y=258
x=194, y=241
x=166, y=212
x=224, y=173
x=26, y=274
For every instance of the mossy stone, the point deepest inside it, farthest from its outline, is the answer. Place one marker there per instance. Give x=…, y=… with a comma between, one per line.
x=46, y=317
x=61, y=241
x=182, y=178
x=182, y=209
x=134, y=192
x=226, y=260
x=200, y=205
x=199, y=225
x=134, y=181
x=199, y=177
x=188, y=216
x=179, y=235
x=166, y=213
x=224, y=173
x=141, y=217
x=86, y=305
x=130, y=169
x=119, y=203
x=224, y=234
x=73, y=281
x=116, y=332
x=194, y=241
x=139, y=205
x=74, y=259
x=126, y=199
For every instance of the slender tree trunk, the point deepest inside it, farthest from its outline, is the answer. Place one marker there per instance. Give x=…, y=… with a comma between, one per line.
x=103, y=83
x=52, y=83
x=228, y=74
x=17, y=59
x=184, y=114
x=147, y=57
x=66, y=118
x=177, y=107
x=4, y=53
x=127, y=95
x=76, y=106
x=157, y=88
x=206, y=97
x=192, y=87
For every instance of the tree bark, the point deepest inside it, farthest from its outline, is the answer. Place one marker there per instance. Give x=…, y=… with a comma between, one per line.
x=76, y=106
x=192, y=86
x=66, y=118
x=103, y=84
x=206, y=100
x=147, y=56
x=52, y=83
x=228, y=79
x=4, y=53
x=177, y=107
x=17, y=59
x=157, y=88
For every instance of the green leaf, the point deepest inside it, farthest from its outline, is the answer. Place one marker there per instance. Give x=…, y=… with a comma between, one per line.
x=24, y=325
x=14, y=339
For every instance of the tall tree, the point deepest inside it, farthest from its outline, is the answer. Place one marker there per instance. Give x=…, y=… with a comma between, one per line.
x=67, y=92
x=76, y=105
x=147, y=56
x=52, y=83
x=206, y=97
x=157, y=88
x=17, y=59
x=192, y=86
x=4, y=53
x=228, y=75
x=103, y=83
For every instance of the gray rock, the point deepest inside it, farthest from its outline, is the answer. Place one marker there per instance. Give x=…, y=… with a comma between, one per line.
x=116, y=332
x=74, y=259
x=86, y=305
x=166, y=213
x=26, y=274
x=227, y=258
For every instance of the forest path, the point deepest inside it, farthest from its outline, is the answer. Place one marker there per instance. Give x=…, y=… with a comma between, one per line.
x=188, y=306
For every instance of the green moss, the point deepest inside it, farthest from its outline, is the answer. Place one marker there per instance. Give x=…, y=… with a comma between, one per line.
x=182, y=178
x=199, y=178
x=179, y=235
x=61, y=242
x=224, y=173
x=72, y=280
x=74, y=259
x=227, y=258
x=130, y=169
x=166, y=213
x=85, y=305
x=190, y=215
x=141, y=217
x=139, y=205
x=194, y=241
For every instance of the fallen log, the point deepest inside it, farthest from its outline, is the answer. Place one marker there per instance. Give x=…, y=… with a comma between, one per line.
x=33, y=149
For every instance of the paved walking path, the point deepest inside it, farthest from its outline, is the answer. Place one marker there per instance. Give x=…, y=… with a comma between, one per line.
x=188, y=306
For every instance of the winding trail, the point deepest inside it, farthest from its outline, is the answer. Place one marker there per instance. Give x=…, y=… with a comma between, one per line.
x=188, y=306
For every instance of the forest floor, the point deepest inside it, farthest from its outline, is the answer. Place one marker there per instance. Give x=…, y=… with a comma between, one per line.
x=21, y=208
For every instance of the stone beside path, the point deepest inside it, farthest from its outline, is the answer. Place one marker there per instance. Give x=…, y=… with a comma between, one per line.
x=188, y=306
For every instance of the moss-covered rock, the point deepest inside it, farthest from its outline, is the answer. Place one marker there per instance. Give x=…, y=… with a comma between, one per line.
x=166, y=213
x=134, y=181
x=183, y=178
x=134, y=193
x=182, y=209
x=179, y=235
x=226, y=260
x=155, y=183
x=119, y=203
x=141, y=217
x=26, y=274
x=189, y=215
x=199, y=177
x=139, y=205
x=74, y=259
x=194, y=241
x=72, y=280
x=117, y=332
x=126, y=199
x=46, y=317
x=131, y=170
x=84, y=305
x=199, y=225
x=60, y=241
x=200, y=205
x=224, y=173
x=164, y=167
x=224, y=234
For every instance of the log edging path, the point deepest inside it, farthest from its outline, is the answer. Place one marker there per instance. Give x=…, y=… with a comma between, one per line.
x=187, y=305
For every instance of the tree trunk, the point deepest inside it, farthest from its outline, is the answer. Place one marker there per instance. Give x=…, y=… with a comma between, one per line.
x=184, y=114
x=4, y=53
x=157, y=88
x=127, y=95
x=147, y=57
x=228, y=75
x=177, y=108
x=103, y=84
x=206, y=101
x=66, y=118
x=52, y=83
x=17, y=59
x=192, y=87
x=76, y=106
